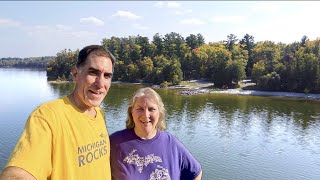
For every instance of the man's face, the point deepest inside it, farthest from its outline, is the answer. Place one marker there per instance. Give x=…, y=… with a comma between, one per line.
x=93, y=81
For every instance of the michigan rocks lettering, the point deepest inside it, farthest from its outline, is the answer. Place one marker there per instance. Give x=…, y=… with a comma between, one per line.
x=91, y=152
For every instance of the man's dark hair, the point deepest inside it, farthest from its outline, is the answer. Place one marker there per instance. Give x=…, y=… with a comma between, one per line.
x=96, y=50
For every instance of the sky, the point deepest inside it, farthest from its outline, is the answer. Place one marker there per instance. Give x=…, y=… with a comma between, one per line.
x=44, y=28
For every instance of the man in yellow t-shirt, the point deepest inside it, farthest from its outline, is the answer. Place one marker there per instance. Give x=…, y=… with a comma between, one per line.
x=67, y=138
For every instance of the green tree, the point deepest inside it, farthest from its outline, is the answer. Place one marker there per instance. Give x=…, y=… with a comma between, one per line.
x=31, y=62
x=145, y=68
x=195, y=41
x=132, y=73
x=194, y=64
x=175, y=75
x=119, y=71
x=159, y=44
x=175, y=45
x=270, y=81
x=146, y=48
x=269, y=52
x=62, y=64
x=258, y=70
x=236, y=70
x=231, y=41
x=201, y=40
x=160, y=71
x=218, y=57
x=304, y=40
x=192, y=41
x=248, y=44
x=112, y=44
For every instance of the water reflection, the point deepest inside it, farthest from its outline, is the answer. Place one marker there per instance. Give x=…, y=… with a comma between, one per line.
x=230, y=112
x=61, y=89
x=234, y=137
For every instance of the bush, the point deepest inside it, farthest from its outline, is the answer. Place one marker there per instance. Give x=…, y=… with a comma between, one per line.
x=271, y=81
x=165, y=84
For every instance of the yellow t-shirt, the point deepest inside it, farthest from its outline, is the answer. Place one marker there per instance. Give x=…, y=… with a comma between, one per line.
x=61, y=142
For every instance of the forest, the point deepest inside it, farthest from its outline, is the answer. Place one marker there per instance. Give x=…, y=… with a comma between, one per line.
x=169, y=59
x=31, y=62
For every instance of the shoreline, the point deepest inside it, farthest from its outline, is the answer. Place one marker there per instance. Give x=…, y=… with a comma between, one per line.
x=310, y=96
x=204, y=87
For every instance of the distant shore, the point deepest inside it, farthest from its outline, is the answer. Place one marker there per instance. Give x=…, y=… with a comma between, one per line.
x=205, y=87
x=58, y=82
x=252, y=93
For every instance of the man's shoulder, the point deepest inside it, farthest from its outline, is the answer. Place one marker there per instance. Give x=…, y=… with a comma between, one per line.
x=61, y=100
x=53, y=105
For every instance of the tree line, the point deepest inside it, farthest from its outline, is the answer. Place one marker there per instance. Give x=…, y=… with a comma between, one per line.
x=32, y=62
x=169, y=59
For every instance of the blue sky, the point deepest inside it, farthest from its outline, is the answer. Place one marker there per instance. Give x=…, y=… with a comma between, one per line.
x=31, y=29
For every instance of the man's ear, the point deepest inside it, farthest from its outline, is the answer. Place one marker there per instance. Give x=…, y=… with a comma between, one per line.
x=74, y=72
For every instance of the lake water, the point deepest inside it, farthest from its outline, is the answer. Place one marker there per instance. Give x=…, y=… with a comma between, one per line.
x=233, y=137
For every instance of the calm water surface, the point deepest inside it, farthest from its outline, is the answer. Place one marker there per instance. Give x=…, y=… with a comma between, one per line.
x=233, y=137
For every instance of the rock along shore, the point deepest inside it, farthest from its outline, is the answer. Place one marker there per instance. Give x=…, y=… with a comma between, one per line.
x=204, y=87
x=252, y=93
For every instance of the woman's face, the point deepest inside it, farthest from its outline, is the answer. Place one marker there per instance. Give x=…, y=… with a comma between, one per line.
x=145, y=113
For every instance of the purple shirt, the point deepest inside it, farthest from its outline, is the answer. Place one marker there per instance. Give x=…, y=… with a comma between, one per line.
x=162, y=157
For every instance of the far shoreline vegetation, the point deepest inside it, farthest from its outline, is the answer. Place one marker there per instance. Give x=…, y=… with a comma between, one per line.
x=30, y=62
x=172, y=60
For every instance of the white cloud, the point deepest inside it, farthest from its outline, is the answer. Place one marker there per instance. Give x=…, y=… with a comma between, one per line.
x=169, y=4
x=8, y=22
x=61, y=27
x=228, y=19
x=58, y=31
x=92, y=20
x=126, y=14
x=84, y=34
x=192, y=21
x=287, y=28
x=182, y=12
x=265, y=7
x=159, y=4
x=141, y=27
x=175, y=7
x=41, y=31
x=42, y=28
x=172, y=4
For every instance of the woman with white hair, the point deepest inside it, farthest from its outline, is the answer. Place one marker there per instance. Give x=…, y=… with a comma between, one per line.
x=144, y=150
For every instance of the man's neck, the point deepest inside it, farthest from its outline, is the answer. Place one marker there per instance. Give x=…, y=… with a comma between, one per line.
x=87, y=110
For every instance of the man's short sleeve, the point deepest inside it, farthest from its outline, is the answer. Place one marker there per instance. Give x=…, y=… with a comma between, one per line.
x=33, y=150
